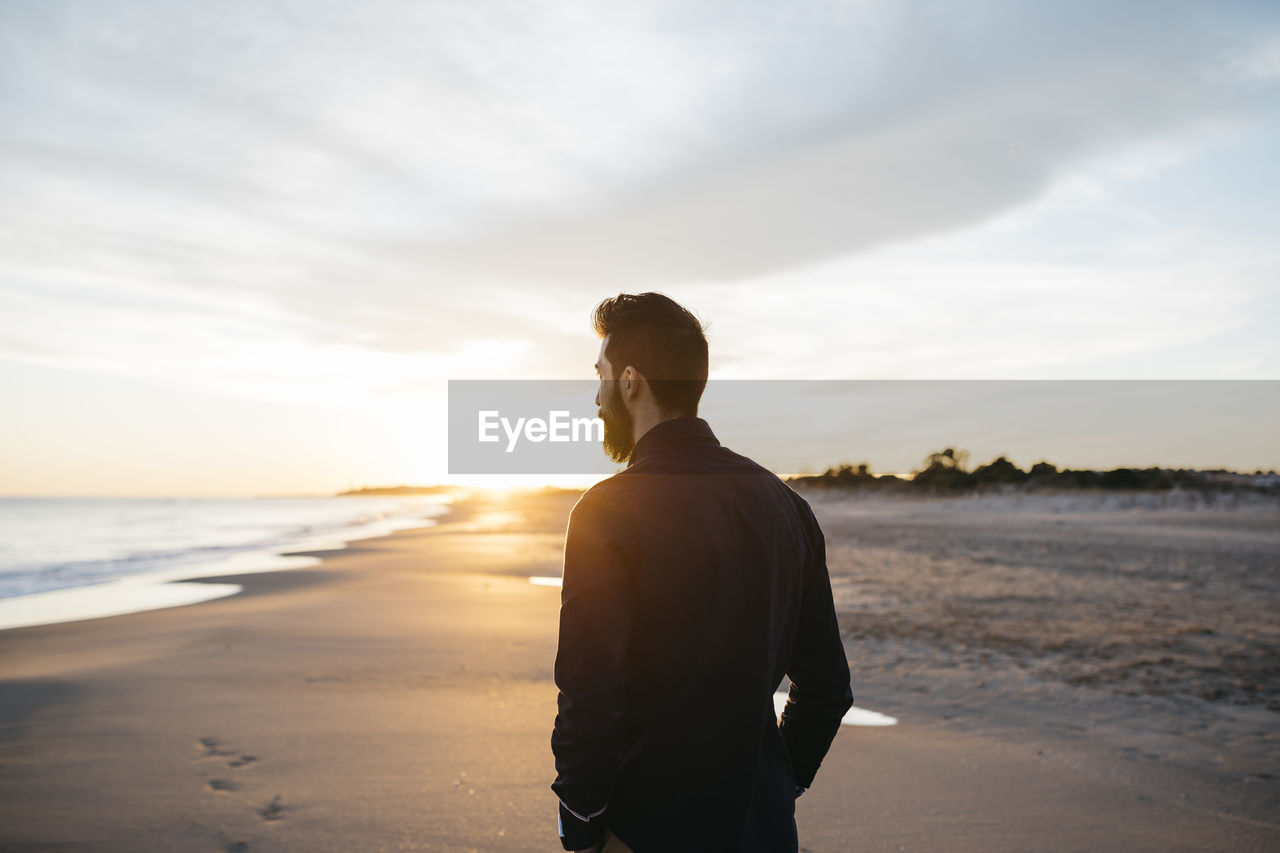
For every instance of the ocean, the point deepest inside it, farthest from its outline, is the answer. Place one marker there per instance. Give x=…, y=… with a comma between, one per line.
x=74, y=558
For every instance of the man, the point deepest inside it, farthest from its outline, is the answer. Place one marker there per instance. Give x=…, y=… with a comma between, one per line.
x=693, y=581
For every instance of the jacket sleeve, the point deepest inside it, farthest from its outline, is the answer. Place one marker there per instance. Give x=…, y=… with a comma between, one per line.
x=595, y=627
x=821, y=691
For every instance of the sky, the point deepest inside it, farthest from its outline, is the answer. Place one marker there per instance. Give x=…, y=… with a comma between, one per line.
x=243, y=246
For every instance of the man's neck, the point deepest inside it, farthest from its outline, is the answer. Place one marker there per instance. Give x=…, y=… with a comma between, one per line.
x=645, y=421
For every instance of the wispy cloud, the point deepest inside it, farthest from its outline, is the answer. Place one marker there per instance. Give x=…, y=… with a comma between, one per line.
x=206, y=189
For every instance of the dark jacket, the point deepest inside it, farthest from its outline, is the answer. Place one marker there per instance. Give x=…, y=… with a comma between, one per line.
x=693, y=581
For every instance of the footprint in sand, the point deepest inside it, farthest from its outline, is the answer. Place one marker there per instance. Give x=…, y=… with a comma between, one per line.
x=238, y=845
x=213, y=748
x=274, y=809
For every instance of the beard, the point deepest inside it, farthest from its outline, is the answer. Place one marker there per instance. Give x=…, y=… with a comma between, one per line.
x=619, y=428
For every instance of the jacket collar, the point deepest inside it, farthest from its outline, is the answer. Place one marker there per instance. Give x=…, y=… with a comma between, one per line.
x=676, y=429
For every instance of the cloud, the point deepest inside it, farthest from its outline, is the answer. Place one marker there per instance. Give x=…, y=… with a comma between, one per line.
x=973, y=113
x=404, y=179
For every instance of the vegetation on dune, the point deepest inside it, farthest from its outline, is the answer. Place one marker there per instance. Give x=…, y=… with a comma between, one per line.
x=946, y=471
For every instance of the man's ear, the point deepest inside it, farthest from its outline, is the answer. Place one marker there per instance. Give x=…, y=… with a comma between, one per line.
x=629, y=382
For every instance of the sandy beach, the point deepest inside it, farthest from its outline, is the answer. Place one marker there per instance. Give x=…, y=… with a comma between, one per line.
x=1067, y=676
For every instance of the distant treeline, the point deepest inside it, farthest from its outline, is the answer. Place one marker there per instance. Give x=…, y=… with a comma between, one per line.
x=946, y=471
x=379, y=491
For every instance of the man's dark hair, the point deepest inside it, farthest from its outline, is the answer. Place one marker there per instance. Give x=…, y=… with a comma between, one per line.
x=660, y=338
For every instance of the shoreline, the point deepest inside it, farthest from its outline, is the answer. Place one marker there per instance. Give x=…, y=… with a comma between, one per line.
x=185, y=586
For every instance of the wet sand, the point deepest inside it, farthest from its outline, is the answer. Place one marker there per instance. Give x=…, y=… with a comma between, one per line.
x=399, y=697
